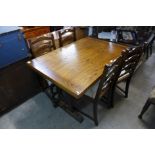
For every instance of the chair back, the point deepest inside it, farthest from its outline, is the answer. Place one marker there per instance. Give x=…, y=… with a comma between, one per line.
x=109, y=77
x=66, y=35
x=150, y=40
x=42, y=44
x=131, y=58
x=127, y=37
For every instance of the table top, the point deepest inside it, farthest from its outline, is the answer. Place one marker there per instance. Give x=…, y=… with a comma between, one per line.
x=77, y=66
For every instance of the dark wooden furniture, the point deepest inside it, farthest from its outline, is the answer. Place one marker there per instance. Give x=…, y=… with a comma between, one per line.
x=103, y=91
x=17, y=84
x=80, y=33
x=105, y=88
x=35, y=31
x=131, y=59
x=77, y=66
x=42, y=44
x=130, y=36
x=17, y=81
x=127, y=37
x=66, y=36
x=150, y=100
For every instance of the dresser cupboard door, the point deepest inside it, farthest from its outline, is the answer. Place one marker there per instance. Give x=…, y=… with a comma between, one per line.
x=4, y=99
x=17, y=84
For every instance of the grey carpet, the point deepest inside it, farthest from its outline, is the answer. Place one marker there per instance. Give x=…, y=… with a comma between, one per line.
x=39, y=113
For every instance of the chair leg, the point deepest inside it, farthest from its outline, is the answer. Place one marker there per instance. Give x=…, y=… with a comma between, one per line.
x=146, y=106
x=95, y=113
x=111, y=98
x=147, y=53
x=127, y=87
x=58, y=94
x=150, y=50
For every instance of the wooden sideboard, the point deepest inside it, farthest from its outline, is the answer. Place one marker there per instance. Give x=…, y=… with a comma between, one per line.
x=17, y=84
x=17, y=81
x=35, y=31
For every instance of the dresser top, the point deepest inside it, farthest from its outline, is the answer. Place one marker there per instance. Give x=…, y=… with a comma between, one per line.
x=6, y=29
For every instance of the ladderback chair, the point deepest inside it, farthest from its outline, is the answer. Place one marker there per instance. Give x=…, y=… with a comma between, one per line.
x=131, y=59
x=42, y=45
x=66, y=36
x=150, y=100
x=105, y=86
x=127, y=37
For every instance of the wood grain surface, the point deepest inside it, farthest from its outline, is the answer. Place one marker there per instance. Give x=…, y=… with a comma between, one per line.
x=77, y=66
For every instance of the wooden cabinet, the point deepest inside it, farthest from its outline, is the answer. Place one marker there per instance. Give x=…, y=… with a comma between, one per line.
x=17, y=84
x=17, y=81
x=35, y=31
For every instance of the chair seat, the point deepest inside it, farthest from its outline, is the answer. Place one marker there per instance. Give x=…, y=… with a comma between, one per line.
x=91, y=92
x=40, y=44
x=123, y=76
x=67, y=38
x=37, y=45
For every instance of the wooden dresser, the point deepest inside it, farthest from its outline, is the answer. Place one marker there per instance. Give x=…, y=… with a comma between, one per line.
x=17, y=81
x=35, y=31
